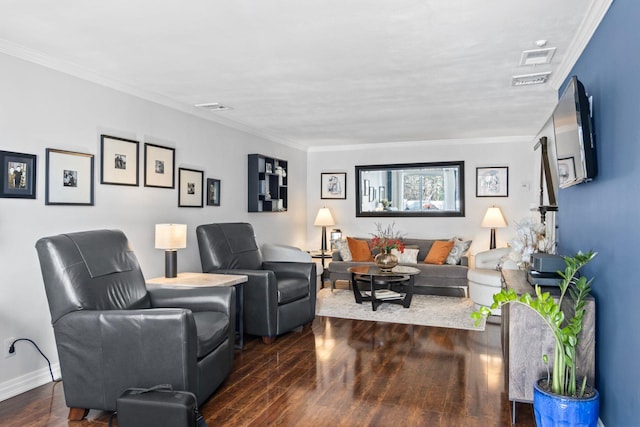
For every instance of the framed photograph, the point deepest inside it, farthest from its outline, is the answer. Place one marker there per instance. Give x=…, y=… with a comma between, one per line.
x=372, y=194
x=18, y=175
x=119, y=163
x=69, y=177
x=213, y=192
x=492, y=181
x=566, y=170
x=190, y=183
x=159, y=167
x=333, y=185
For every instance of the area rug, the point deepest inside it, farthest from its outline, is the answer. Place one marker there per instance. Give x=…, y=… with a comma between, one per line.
x=426, y=310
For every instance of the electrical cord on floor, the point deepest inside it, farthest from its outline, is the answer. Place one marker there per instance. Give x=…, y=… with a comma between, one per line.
x=12, y=349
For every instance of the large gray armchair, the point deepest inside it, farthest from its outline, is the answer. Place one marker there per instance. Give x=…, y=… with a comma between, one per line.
x=113, y=333
x=278, y=297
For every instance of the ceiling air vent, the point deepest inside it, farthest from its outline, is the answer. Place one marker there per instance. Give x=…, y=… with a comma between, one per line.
x=537, y=56
x=530, y=79
x=213, y=106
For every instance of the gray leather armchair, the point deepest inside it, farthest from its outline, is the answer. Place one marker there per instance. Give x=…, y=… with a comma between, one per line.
x=112, y=333
x=278, y=297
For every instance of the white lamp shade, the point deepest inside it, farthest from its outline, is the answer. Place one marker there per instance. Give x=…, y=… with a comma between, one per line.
x=324, y=218
x=493, y=218
x=171, y=236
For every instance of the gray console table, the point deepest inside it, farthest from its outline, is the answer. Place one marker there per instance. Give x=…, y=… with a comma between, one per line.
x=525, y=338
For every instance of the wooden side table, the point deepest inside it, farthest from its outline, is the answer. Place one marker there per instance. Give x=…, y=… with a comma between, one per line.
x=206, y=280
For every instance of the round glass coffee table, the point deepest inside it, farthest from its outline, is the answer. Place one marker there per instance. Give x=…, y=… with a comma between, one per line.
x=370, y=283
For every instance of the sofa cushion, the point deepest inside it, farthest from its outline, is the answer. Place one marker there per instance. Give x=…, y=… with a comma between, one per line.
x=409, y=256
x=291, y=289
x=359, y=250
x=343, y=249
x=438, y=252
x=212, y=328
x=460, y=247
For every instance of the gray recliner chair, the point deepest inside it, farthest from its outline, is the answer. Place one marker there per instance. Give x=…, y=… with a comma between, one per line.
x=112, y=333
x=278, y=297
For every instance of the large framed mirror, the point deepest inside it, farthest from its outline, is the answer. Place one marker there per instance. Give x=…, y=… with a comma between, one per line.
x=413, y=189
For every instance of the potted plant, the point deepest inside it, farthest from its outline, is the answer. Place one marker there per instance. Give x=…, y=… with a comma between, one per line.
x=561, y=396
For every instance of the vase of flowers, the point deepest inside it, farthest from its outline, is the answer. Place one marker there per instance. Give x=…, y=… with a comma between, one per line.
x=530, y=237
x=383, y=241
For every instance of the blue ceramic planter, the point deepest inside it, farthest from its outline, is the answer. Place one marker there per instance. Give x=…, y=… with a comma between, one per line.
x=552, y=410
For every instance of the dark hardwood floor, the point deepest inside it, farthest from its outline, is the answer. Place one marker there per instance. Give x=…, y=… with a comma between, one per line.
x=340, y=373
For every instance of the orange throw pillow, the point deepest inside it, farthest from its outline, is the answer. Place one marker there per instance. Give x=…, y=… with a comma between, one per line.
x=360, y=250
x=439, y=252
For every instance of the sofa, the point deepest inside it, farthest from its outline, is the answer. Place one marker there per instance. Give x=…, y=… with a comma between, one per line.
x=445, y=279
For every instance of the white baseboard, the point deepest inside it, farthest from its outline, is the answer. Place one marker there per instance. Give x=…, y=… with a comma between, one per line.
x=28, y=382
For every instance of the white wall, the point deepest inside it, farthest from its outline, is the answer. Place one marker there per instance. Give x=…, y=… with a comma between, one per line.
x=41, y=108
x=517, y=155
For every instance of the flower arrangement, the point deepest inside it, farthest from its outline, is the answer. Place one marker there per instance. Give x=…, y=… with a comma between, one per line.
x=386, y=239
x=530, y=238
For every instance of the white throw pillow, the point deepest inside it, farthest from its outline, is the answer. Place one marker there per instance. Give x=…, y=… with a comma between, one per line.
x=343, y=247
x=460, y=247
x=410, y=256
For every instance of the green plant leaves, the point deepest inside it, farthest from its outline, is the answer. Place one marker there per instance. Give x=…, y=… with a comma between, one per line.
x=564, y=320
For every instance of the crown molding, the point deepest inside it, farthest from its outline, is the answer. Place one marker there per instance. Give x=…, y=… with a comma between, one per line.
x=67, y=67
x=519, y=139
x=595, y=14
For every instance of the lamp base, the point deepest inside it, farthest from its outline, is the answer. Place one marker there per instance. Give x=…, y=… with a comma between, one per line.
x=492, y=242
x=170, y=263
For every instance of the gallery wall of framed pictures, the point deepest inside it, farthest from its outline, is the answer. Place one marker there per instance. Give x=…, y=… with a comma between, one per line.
x=70, y=180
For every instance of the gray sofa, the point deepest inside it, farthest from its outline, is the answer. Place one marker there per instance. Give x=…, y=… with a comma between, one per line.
x=443, y=279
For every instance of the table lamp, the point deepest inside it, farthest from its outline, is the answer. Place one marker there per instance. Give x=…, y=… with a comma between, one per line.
x=324, y=219
x=493, y=219
x=171, y=237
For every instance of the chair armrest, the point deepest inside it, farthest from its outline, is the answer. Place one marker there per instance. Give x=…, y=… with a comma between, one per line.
x=490, y=258
x=104, y=352
x=260, y=300
x=221, y=299
x=301, y=270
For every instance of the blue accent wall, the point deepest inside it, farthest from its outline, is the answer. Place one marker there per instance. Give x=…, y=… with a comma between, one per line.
x=604, y=215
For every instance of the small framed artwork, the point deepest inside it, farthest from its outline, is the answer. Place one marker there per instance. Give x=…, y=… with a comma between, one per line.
x=566, y=170
x=213, y=192
x=159, y=167
x=18, y=175
x=333, y=185
x=69, y=177
x=190, y=183
x=372, y=194
x=119, y=163
x=492, y=181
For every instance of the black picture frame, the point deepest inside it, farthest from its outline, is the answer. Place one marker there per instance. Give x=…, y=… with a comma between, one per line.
x=190, y=188
x=159, y=166
x=69, y=178
x=119, y=161
x=333, y=185
x=19, y=171
x=414, y=177
x=492, y=181
x=213, y=192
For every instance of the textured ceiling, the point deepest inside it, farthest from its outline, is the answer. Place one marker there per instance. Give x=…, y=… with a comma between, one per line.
x=318, y=73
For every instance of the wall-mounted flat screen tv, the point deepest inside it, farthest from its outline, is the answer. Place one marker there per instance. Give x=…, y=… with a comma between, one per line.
x=575, y=143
